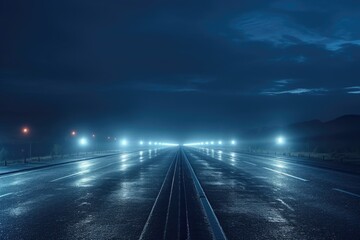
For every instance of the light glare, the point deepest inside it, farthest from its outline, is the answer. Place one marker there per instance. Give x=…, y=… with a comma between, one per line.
x=83, y=141
x=280, y=140
x=124, y=142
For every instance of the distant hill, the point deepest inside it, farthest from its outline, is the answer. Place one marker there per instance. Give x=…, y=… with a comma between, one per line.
x=347, y=124
x=342, y=133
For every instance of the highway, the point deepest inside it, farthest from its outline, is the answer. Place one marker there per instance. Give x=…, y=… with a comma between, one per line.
x=180, y=193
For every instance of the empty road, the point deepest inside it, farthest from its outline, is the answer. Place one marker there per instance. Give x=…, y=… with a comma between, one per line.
x=180, y=193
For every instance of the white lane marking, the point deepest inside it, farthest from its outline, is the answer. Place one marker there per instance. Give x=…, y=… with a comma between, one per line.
x=67, y=176
x=261, y=177
x=285, y=204
x=6, y=194
x=250, y=163
x=343, y=191
x=286, y=174
x=146, y=226
x=47, y=167
x=81, y=172
x=59, y=165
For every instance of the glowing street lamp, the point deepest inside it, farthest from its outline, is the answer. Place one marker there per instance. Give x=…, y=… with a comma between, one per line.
x=280, y=140
x=233, y=142
x=220, y=142
x=26, y=132
x=83, y=141
x=141, y=143
x=124, y=142
x=73, y=133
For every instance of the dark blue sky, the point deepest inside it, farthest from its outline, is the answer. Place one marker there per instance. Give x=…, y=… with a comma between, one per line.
x=180, y=68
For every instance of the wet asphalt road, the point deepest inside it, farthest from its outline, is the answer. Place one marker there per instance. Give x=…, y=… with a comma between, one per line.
x=147, y=194
x=106, y=198
x=268, y=198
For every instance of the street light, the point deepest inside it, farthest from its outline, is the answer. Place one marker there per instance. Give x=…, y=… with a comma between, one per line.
x=141, y=143
x=220, y=142
x=73, y=133
x=280, y=140
x=233, y=142
x=26, y=132
x=124, y=142
x=83, y=141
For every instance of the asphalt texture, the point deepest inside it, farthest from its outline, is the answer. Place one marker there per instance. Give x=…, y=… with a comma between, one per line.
x=106, y=198
x=152, y=194
x=268, y=198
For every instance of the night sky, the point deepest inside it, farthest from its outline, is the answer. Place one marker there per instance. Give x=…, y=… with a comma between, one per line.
x=177, y=68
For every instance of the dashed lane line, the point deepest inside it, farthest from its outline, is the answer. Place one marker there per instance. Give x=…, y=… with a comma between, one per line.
x=346, y=192
x=250, y=163
x=6, y=194
x=286, y=174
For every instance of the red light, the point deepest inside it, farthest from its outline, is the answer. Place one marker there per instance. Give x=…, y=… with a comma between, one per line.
x=25, y=130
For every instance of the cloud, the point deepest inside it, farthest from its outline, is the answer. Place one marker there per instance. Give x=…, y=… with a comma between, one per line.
x=168, y=88
x=161, y=87
x=172, y=84
x=282, y=31
x=297, y=91
x=353, y=90
x=283, y=82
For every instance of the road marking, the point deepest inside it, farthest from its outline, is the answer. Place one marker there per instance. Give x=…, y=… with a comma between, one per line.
x=286, y=174
x=146, y=226
x=48, y=167
x=6, y=194
x=250, y=163
x=170, y=199
x=261, y=177
x=81, y=172
x=349, y=193
x=285, y=204
x=26, y=171
x=67, y=176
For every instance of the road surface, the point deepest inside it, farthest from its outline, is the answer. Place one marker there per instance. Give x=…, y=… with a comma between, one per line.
x=180, y=193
